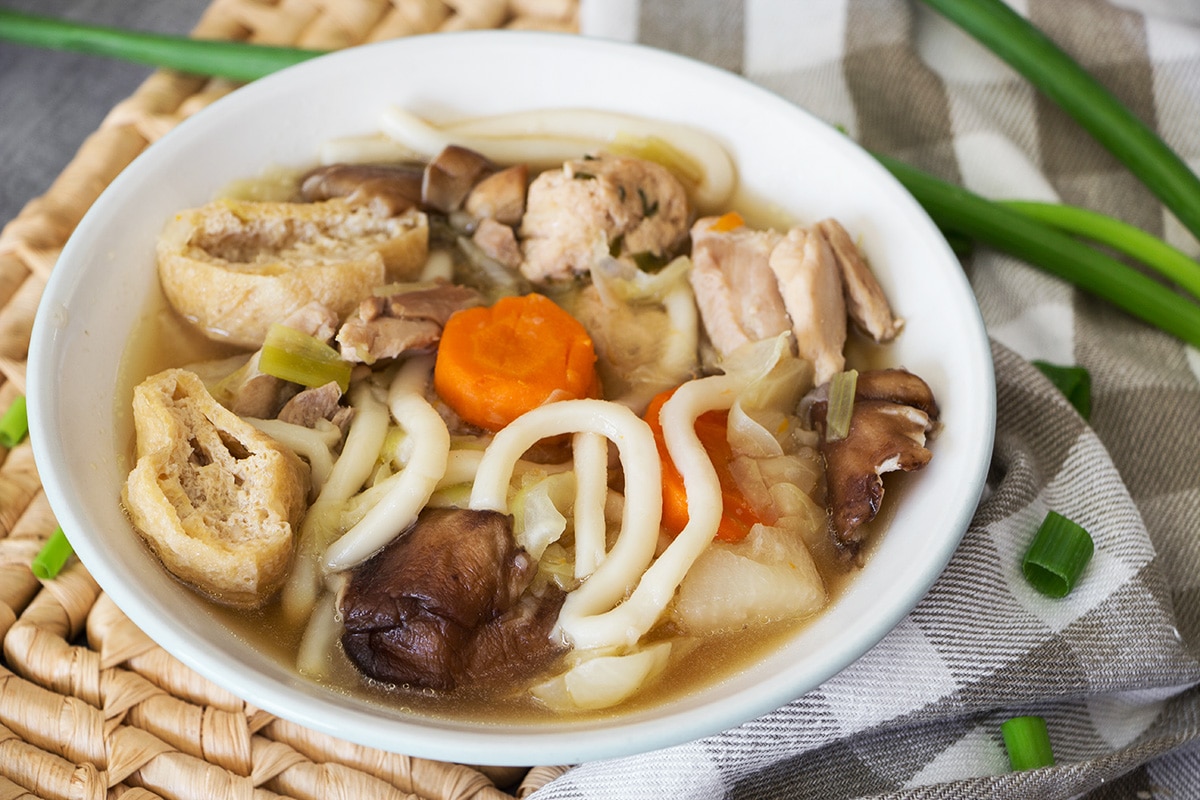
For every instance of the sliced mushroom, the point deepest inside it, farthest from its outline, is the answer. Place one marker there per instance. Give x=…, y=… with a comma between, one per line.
x=407, y=321
x=443, y=602
x=893, y=413
x=866, y=304
x=388, y=189
x=449, y=178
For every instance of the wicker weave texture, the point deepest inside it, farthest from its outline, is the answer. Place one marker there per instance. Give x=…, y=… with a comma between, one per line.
x=90, y=707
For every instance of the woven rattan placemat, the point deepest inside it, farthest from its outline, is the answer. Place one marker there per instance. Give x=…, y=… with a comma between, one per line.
x=90, y=707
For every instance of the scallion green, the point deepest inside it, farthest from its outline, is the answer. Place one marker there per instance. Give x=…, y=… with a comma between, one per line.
x=1057, y=556
x=1170, y=262
x=1048, y=67
x=295, y=356
x=957, y=209
x=239, y=61
x=53, y=555
x=842, y=387
x=1074, y=382
x=14, y=425
x=1027, y=741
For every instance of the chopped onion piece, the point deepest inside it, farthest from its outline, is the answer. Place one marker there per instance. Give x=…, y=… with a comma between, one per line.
x=841, y=404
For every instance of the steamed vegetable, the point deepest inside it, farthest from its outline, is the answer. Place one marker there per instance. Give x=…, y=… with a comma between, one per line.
x=495, y=363
x=295, y=356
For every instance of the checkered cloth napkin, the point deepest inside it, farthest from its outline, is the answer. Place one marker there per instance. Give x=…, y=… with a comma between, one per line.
x=1113, y=667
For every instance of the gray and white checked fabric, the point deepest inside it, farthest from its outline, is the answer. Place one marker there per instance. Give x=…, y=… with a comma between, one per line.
x=1114, y=667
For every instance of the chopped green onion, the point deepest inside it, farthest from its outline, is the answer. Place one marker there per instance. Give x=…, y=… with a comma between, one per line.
x=14, y=425
x=1074, y=382
x=295, y=356
x=841, y=405
x=1028, y=743
x=1057, y=556
x=54, y=553
x=1034, y=55
x=239, y=61
x=1168, y=261
x=954, y=208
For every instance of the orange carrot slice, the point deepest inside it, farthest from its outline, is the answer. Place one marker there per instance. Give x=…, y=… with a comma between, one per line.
x=495, y=363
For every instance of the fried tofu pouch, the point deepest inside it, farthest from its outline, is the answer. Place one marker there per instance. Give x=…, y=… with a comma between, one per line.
x=217, y=500
x=234, y=267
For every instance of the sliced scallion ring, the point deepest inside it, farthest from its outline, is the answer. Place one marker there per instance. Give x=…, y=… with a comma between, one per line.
x=1028, y=742
x=50, y=559
x=14, y=425
x=1057, y=555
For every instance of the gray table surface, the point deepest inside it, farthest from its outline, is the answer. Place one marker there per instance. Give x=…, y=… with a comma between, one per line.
x=51, y=101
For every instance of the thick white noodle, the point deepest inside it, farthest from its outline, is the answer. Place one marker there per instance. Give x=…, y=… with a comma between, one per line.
x=314, y=445
x=588, y=626
x=349, y=473
x=409, y=489
x=548, y=137
x=319, y=641
x=590, y=451
x=642, y=510
x=463, y=464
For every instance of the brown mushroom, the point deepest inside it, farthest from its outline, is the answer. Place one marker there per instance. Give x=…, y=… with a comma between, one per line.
x=404, y=322
x=388, y=189
x=450, y=176
x=894, y=410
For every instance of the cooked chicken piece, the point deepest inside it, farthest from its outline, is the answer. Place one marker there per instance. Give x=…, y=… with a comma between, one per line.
x=409, y=321
x=736, y=291
x=812, y=293
x=450, y=176
x=214, y=498
x=866, y=303
x=500, y=196
x=234, y=268
x=499, y=242
x=627, y=205
x=388, y=189
x=442, y=603
x=893, y=412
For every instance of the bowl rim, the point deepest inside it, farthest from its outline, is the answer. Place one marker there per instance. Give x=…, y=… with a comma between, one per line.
x=465, y=742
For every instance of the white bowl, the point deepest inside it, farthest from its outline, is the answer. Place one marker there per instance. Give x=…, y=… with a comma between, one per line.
x=106, y=273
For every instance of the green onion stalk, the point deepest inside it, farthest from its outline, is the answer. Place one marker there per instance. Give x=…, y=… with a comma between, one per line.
x=239, y=61
x=1037, y=233
x=1044, y=64
x=1008, y=230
